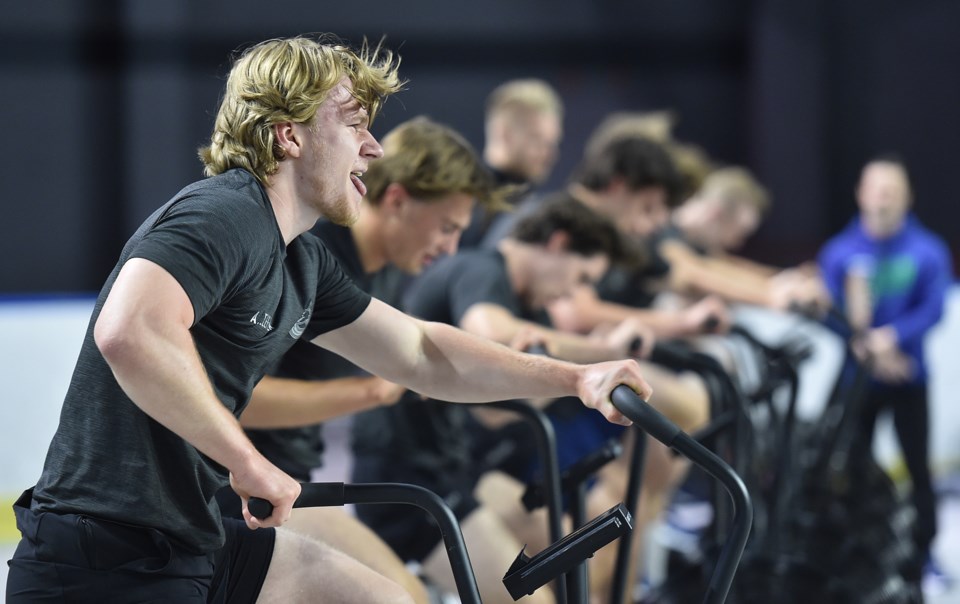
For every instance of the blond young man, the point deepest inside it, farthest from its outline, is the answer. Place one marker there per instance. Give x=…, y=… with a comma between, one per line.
x=706, y=230
x=418, y=202
x=212, y=289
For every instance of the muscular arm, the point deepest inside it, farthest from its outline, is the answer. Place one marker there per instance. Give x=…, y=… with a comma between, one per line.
x=286, y=403
x=143, y=332
x=690, y=273
x=496, y=323
x=683, y=400
x=584, y=311
x=741, y=263
x=446, y=363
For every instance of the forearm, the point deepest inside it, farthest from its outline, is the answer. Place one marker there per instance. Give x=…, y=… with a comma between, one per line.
x=458, y=366
x=495, y=323
x=584, y=313
x=287, y=403
x=743, y=287
x=577, y=348
x=443, y=362
x=740, y=263
x=665, y=323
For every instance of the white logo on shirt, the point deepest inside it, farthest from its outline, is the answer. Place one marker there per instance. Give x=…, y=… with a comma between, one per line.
x=301, y=325
x=262, y=319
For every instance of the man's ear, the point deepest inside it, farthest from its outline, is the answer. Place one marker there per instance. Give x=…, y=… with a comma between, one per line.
x=287, y=139
x=559, y=241
x=617, y=187
x=394, y=197
x=717, y=209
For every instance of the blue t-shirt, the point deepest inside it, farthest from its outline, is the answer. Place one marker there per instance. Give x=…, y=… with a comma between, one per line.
x=909, y=275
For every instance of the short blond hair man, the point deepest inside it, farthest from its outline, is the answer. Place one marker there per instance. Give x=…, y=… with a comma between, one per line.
x=523, y=127
x=208, y=293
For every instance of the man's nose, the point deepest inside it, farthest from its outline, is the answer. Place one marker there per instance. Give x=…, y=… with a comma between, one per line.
x=450, y=244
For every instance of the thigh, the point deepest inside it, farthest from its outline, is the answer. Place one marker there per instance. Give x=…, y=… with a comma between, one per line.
x=409, y=530
x=340, y=530
x=501, y=494
x=303, y=569
x=492, y=548
x=682, y=397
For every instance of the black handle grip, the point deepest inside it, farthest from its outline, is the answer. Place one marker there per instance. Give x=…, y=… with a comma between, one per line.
x=260, y=508
x=672, y=355
x=641, y=413
x=312, y=494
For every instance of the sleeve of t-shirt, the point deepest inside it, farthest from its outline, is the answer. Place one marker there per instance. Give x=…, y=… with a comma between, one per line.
x=933, y=281
x=339, y=301
x=210, y=247
x=483, y=280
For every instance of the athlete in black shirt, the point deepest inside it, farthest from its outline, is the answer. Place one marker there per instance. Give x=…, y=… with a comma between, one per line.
x=211, y=290
x=418, y=201
x=496, y=294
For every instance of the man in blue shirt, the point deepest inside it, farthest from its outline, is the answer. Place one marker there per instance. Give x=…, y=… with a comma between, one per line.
x=890, y=275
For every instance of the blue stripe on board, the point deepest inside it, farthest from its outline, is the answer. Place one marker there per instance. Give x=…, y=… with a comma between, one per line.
x=32, y=298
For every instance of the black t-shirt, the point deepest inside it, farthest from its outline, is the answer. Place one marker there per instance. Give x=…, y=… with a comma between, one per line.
x=637, y=287
x=502, y=224
x=446, y=290
x=298, y=450
x=252, y=299
x=671, y=232
x=626, y=287
x=430, y=435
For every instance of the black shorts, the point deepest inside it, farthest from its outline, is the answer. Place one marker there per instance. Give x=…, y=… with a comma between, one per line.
x=78, y=558
x=409, y=530
x=240, y=566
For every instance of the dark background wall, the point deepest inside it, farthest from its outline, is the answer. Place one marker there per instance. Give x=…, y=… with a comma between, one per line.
x=105, y=102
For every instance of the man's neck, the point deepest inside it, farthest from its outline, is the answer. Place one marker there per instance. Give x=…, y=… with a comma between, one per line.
x=293, y=217
x=516, y=258
x=587, y=197
x=502, y=168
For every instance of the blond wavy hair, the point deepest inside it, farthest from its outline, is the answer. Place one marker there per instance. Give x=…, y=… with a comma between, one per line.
x=735, y=185
x=431, y=161
x=286, y=80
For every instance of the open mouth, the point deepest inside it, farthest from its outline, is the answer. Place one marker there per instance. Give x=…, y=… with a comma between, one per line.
x=355, y=178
